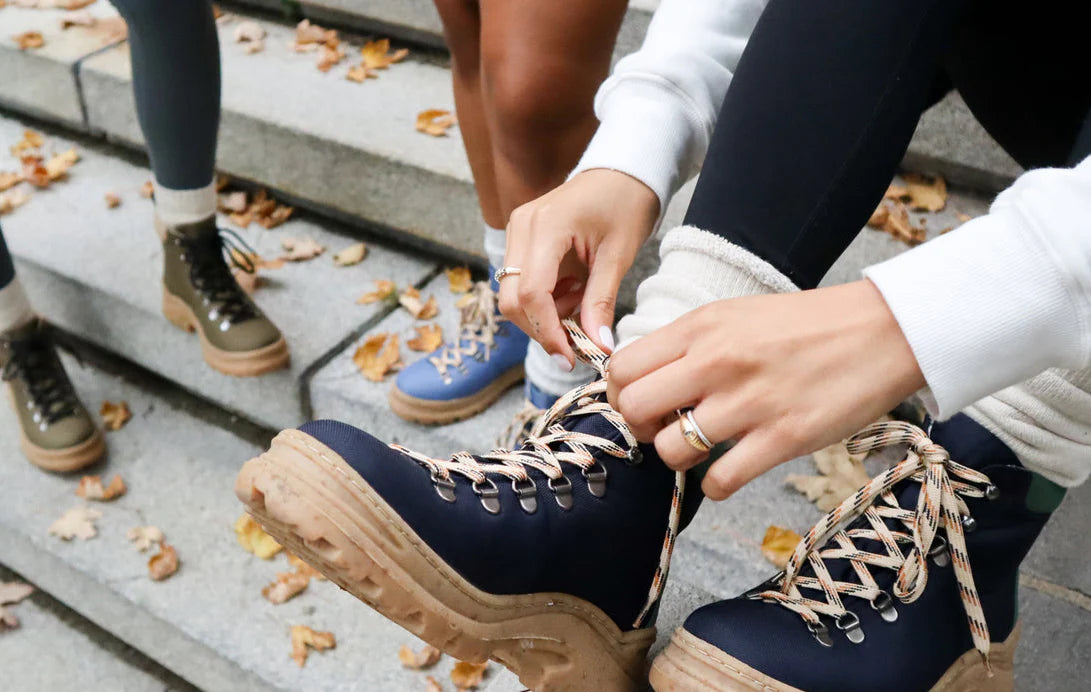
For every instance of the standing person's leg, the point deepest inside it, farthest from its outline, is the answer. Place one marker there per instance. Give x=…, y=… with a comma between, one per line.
x=15, y=309
x=176, y=82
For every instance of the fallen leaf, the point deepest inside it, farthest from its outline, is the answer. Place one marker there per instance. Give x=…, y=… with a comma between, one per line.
x=251, y=35
x=111, y=30
x=58, y=164
x=307, y=34
x=896, y=192
x=377, y=55
x=232, y=202
x=304, y=637
x=81, y=18
x=279, y=214
x=840, y=475
x=353, y=254
x=78, y=522
x=359, y=73
x=926, y=194
x=91, y=488
x=112, y=200
x=10, y=594
x=164, y=563
x=12, y=200
x=144, y=537
x=302, y=567
x=383, y=289
x=893, y=218
x=467, y=676
x=410, y=300
x=425, y=658
x=9, y=180
x=286, y=586
x=778, y=545
x=253, y=538
x=459, y=280
x=31, y=141
x=28, y=40
x=465, y=300
x=435, y=122
x=432, y=685
x=429, y=337
x=300, y=249
x=115, y=416
x=147, y=190
x=35, y=172
x=378, y=356
x=329, y=54
x=962, y=218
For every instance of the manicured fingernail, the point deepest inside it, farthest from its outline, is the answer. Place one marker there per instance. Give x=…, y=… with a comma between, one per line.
x=561, y=362
x=606, y=337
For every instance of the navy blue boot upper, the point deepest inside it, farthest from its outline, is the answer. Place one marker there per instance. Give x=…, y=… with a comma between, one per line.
x=914, y=650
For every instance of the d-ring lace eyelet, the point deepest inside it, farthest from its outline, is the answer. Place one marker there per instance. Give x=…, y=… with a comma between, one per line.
x=884, y=605
x=849, y=623
x=821, y=633
x=489, y=494
x=445, y=487
x=939, y=553
x=527, y=493
x=596, y=479
x=562, y=490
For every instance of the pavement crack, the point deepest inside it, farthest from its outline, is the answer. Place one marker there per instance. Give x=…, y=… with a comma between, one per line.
x=1069, y=595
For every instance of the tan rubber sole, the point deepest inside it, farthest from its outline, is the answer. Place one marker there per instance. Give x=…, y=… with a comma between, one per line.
x=310, y=500
x=431, y=412
x=65, y=460
x=259, y=361
x=690, y=664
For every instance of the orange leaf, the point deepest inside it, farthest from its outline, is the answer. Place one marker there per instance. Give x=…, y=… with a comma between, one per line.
x=9, y=180
x=925, y=194
x=435, y=122
x=144, y=537
x=459, y=280
x=115, y=416
x=432, y=685
x=377, y=55
x=300, y=249
x=428, y=339
x=304, y=637
x=383, y=289
x=426, y=658
x=410, y=300
x=164, y=563
x=779, y=544
x=112, y=200
x=91, y=488
x=28, y=40
x=378, y=356
x=302, y=567
x=30, y=140
x=253, y=538
x=12, y=200
x=286, y=586
x=467, y=676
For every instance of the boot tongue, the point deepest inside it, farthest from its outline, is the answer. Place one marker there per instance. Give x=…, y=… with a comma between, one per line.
x=970, y=444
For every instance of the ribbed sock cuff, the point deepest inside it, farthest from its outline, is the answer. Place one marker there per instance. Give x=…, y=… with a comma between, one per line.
x=174, y=207
x=15, y=310
x=496, y=240
x=546, y=376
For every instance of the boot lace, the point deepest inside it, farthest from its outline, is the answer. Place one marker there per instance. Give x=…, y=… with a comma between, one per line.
x=34, y=362
x=944, y=484
x=521, y=424
x=210, y=257
x=477, y=331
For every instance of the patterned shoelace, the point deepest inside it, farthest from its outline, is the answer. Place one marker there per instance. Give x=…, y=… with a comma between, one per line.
x=520, y=426
x=34, y=362
x=548, y=447
x=940, y=504
x=211, y=257
x=476, y=332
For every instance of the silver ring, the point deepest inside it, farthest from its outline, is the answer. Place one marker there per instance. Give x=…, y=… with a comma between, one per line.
x=506, y=271
x=692, y=432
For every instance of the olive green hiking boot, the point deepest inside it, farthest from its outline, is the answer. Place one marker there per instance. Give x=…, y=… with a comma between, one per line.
x=200, y=294
x=56, y=431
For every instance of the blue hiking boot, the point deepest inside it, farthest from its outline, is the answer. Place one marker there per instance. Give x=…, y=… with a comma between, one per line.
x=917, y=593
x=463, y=378
x=549, y=559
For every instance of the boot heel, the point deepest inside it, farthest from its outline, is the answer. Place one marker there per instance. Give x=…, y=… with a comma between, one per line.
x=176, y=312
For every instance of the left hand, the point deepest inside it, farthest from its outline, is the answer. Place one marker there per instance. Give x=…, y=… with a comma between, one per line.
x=782, y=375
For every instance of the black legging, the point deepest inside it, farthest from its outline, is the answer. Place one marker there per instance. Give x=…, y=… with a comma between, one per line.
x=827, y=95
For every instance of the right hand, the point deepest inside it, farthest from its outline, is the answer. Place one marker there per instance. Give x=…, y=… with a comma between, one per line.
x=574, y=245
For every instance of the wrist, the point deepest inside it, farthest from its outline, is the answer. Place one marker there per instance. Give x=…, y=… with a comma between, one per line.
x=904, y=375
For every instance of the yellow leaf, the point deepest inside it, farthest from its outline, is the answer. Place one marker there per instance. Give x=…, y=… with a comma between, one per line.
x=435, y=122
x=304, y=637
x=377, y=55
x=410, y=300
x=383, y=289
x=840, y=475
x=91, y=488
x=925, y=194
x=312, y=34
x=302, y=567
x=893, y=217
x=31, y=140
x=778, y=545
x=467, y=676
x=329, y=55
x=164, y=563
x=428, y=339
x=432, y=685
x=353, y=254
x=378, y=356
x=12, y=200
x=78, y=522
x=9, y=180
x=115, y=416
x=286, y=586
x=112, y=200
x=28, y=40
x=253, y=538
x=57, y=166
x=459, y=280
x=425, y=658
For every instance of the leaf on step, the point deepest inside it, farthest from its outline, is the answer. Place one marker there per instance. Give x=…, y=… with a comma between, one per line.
x=147, y=190
x=778, y=545
x=353, y=254
x=377, y=55
x=29, y=40
x=459, y=280
x=112, y=200
x=302, y=567
x=432, y=685
x=329, y=54
x=410, y=300
x=110, y=30
x=286, y=586
x=91, y=488
x=251, y=35
x=57, y=166
x=378, y=356
x=11, y=593
x=309, y=36
x=896, y=192
x=893, y=217
x=144, y=537
x=962, y=218
x=435, y=122
x=425, y=658
x=304, y=637
x=253, y=538
x=78, y=522
x=840, y=475
x=300, y=249
x=31, y=140
x=164, y=563
x=115, y=416
x=383, y=289
x=232, y=202
x=465, y=301
x=80, y=18
x=9, y=180
x=467, y=676
x=429, y=337
x=12, y=200
x=926, y=194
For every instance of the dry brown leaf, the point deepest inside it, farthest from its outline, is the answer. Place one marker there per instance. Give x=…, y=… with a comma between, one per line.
x=81, y=18
x=359, y=73
x=428, y=338
x=893, y=217
x=378, y=356
x=926, y=194
x=91, y=488
x=353, y=254
x=11, y=593
x=286, y=586
x=377, y=55
x=31, y=140
x=307, y=34
x=896, y=192
x=78, y=522
x=164, y=563
x=29, y=40
x=840, y=475
x=144, y=537
x=35, y=172
x=425, y=658
x=279, y=215
x=384, y=289
x=300, y=249
x=112, y=200
x=467, y=676
x=459, y=280
x=9, y=180
x=253, y=538
x=232, y=202
x=115, y=416
x=329, y=54
x=465, y=301
x=410, y=300
x=962, y=218
x=302, y=567
x=147, y=190
x=432, y=685
x=435, y=122
x=251, y=35
x=12, y=200
x=304, y=637
x=779, y=544
x=58, y=164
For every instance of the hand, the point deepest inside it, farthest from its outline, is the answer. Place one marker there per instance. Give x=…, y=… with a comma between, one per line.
x=574, y=245
x=782, y=375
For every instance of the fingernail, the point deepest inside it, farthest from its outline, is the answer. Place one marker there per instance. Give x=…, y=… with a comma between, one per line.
x=561, y=362
x=606, y=337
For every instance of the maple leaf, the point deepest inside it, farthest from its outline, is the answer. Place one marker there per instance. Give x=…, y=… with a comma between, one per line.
x=435, y=122
x=925, y=194
x=81, y=18
x=329, y=54
x=425, y=658
x=353, y=254
x=31, y=140
x=9, y=180
x=78, y=522
x=428, y=338
x=57, y=166
x=778, y=545
x=144, y=537
x=893, y=217
x=410, y=300
x=378, y=356
x=840, y=475
x=147, y=190
x=29, y=40
x=384, y=289
x=91, y=488
x=302, y=567
x=304, y=637
x=432, y=685
x=115, y=416
x=251, y=35
x=112, y=200
x=164, y=563
x=286, y=586
x=11, y=593
x=12, y=200
x=300, y=249
x=377, y=55
x=467, y=676
x=307, y=34
x=459, y=280
x=253, y=538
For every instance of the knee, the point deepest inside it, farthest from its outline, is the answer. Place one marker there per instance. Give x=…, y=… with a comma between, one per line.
x=534, y=101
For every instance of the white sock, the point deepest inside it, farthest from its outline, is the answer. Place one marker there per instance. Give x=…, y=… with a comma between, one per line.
x=15, y=309
x=495, y=245
x=174, y=207
x=696, y=268
x=545, y=374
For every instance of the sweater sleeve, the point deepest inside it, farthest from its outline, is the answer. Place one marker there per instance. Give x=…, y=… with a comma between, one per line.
x=1003, y=297
x=658, y=109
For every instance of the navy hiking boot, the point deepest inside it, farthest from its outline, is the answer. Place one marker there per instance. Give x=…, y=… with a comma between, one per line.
x=549, y=558
x=917, y=592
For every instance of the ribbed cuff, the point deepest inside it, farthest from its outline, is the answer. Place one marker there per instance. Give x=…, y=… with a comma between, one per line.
x=174, y=207
x=15, y=310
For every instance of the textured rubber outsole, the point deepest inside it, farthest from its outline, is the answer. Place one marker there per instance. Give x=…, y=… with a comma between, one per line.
x=310, y=500
x=65, y=460
x=259, y=361
x=436, y=412
x=690, y=664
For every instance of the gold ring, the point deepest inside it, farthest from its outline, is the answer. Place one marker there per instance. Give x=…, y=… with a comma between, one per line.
x=506, y=271
x=692, y=432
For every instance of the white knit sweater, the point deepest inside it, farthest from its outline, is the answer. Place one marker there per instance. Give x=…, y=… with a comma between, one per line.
x=996, y=301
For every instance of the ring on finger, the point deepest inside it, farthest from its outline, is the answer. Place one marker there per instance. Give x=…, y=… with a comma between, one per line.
x=692, y=432
x=506, y=271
